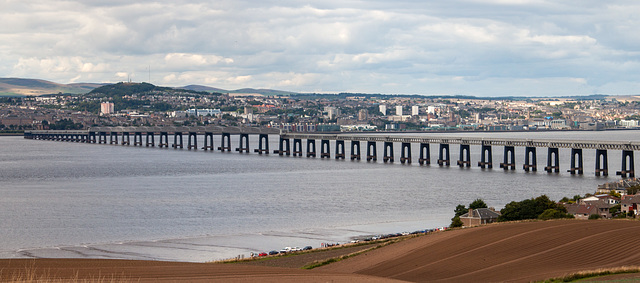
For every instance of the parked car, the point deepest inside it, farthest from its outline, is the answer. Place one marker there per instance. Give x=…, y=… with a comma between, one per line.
x=273, y=252
x=285, y=250
x=296, y=249
x=307, y=248
x=262, y=254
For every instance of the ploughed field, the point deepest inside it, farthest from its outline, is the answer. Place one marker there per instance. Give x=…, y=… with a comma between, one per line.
x=518, y=252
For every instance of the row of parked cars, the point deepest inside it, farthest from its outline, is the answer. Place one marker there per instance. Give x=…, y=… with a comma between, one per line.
x=285, y=251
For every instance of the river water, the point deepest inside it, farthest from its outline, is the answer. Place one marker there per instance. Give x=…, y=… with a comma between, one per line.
x=60, y=199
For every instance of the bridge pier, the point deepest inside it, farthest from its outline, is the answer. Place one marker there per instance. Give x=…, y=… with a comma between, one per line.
x=425, y=154
x=137, y=139
x=285, y=147
x=208, y=141
x=152, y=143
x=372, y=153
x=193, y=145
x=297, y=147
x=126, y=138
x=627, y=169
x=530, y=159
x=311, y=148
x=83, y=138
x=388, y=152
x=164, y=140
x=486, y=159
x=444, y=155
x=262, y=146
x=113, y=138
x=340, y=150
x=225, y=143
x=325, y=149
x=405, y=153
x=602, y=164
x=177, y=142
x=576, y=155
x=355, y=150
x=102, y=137
x=465, y=156
x=553, y=160
x=509, y=158
x=245, y=148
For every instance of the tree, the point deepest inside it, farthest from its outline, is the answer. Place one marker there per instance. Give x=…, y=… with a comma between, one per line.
x=460, y=210
x=478, y=203
x=594, y=216
x=456, y=222
x=528, y=209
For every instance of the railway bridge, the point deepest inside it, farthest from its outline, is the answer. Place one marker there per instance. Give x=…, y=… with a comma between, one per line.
x=291, y=144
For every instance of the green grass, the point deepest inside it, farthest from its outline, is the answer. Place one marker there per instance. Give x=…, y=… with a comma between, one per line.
x=594, y=273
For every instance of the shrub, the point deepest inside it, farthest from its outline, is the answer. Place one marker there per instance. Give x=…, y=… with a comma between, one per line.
x=594, y=216
x=553, y=214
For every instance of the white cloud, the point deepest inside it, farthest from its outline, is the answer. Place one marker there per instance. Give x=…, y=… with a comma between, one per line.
x=496, y=47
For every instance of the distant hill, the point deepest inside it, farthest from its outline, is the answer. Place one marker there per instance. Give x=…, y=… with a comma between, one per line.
x=36, y=87
x=266, y=92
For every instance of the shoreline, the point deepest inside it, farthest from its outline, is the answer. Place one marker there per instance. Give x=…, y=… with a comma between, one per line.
x=207, y=248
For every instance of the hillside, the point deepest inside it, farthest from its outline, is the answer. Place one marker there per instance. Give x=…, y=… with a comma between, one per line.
x=262, y=91
x=35, y=87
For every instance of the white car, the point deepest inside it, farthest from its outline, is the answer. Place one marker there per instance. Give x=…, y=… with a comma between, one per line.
x=285, y=250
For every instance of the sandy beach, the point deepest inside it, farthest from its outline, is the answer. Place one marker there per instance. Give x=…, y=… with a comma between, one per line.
x=505, y=252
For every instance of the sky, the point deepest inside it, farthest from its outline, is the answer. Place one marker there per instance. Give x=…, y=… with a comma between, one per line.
x=451, y=47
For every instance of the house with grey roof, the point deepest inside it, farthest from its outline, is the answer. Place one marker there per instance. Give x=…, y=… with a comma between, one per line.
x=479, y=216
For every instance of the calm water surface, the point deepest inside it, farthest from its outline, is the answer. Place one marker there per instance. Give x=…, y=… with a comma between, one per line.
x=61, y=199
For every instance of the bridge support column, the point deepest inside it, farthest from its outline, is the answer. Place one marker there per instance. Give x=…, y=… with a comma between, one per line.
x=372, y=153
x=388, y=152
x=465, y=156
x=444, y=156
x=225, y=143
x=530, y=160
x=92, y=137
x=602, y=164
x=83, y=138
x=311, y=148
x=164, y=140
x=325, y=149
x=340, y=150
x=425, y=154
x=137, y=139
x=297, y=147
x=486, y=159
x=355, y=150
x=553, y=160
x=627, y=169
x=509, y=158
x=126, y=138
x=102, y=137
x=405, y=153
x=208, y=141
x=193, y=145
x=262, y=146
x=245, y=148
x=285, y=147
x=152, y=143
x=576, y=155
x=177, y=140
x=113, y=138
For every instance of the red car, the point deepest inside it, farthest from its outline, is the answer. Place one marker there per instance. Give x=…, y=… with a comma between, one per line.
x=262, y=254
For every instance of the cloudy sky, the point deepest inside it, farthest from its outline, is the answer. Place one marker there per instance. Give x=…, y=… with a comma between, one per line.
x=472, y=47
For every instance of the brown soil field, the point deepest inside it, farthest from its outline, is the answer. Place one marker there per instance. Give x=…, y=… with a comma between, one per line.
x=516, y=252
x=506, y=252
